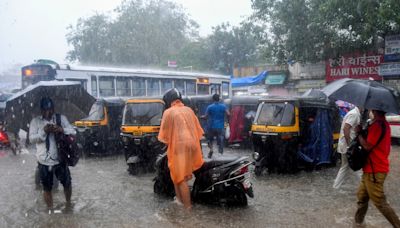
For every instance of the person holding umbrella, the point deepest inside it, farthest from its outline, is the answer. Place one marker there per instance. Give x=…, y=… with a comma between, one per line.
x=347, y=134
x=376, y=170
x=42, y=132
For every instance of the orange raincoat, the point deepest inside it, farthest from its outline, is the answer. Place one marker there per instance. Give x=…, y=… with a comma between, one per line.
x=181, y=131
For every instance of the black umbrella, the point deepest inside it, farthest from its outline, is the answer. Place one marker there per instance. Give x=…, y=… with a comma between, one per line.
x=70, y=99
x=365, y=93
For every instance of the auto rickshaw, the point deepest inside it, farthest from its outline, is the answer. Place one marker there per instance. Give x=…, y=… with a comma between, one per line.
x=140, y=126
x=199, y=105
x=99, y=132
x=291, y=133
x=243, y=110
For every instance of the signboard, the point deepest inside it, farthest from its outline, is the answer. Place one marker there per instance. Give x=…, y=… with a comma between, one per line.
x=392, y=48
x=354, y=66
x=172, y=64
x=275, y=79
x=389, y=69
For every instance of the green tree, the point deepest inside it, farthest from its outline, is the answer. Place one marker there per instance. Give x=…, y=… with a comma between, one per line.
x=232, y=46
x=314, y=30
x=143, y=33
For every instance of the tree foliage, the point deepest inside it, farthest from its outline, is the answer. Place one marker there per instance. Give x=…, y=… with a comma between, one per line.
x=143, y=33
x=313, y=30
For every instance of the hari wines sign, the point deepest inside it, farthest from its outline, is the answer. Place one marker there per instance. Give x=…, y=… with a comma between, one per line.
x=354, y=66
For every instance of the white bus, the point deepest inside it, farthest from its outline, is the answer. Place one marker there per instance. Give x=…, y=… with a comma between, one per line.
x=124, y=82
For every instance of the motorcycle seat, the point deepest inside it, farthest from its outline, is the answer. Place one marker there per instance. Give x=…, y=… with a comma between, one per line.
x=209, y=164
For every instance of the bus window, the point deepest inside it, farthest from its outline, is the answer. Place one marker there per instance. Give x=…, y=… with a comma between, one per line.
x=153, y=87
x=215, y=89
x=166, y=84
x=203, y=89
x=83, y=82
x=94, y=86
x=190, y=88
x=180, y=85
x=225, y=89
x=106, y=87
x=123, y=87
x=139, y=87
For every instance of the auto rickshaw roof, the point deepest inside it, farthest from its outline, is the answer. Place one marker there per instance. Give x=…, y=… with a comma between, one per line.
x=198, y=98
x=245, y=100
x=144, y=99
x=112, y=101
x=302, y=101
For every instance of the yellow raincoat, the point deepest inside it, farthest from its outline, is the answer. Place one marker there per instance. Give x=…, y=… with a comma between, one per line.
x=181, y=131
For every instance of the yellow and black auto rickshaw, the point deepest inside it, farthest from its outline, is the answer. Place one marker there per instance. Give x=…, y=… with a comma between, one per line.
x=293, y=133
x=99, y=132
x=140, y=126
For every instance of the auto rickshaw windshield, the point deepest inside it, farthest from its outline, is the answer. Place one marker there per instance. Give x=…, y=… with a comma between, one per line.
x=96, y=112
x=143, y=114
x=276, y=114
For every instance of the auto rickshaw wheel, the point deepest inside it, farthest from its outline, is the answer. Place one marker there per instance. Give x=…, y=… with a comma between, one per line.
x=133, y=168
x=258, y=171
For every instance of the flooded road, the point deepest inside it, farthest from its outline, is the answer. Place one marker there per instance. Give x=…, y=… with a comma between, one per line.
x=105, y=195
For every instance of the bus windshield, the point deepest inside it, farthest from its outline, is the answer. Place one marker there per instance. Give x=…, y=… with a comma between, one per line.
x=276, y=114
x=143, y=114
x=96, y=112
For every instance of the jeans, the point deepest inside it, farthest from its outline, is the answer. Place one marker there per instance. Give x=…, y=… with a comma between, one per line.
x=369, y=189
x=220, y=135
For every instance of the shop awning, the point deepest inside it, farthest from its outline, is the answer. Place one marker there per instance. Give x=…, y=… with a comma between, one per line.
x=248, y=81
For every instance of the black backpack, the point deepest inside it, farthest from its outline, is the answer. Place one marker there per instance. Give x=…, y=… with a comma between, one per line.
x=357, y=156
x=68, y=150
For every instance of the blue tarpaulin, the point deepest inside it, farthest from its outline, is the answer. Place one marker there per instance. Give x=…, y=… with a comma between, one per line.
x=318, y=149
x=248, y=81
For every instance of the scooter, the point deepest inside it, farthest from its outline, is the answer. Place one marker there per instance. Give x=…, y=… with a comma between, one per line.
x=223, y=181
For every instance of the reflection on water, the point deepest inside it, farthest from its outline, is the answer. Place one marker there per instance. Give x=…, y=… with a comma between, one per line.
x=104, y=195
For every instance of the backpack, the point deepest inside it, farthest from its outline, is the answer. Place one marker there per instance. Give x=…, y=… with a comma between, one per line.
x=357, y=156
x=68, y=150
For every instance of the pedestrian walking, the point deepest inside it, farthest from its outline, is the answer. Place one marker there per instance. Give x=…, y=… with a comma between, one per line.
x=347, y=133
x=42, y=132
x=215, y=113
x=376, y=170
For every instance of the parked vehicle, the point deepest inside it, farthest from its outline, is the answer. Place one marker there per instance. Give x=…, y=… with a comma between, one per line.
x=140, y=126
x=243, y=110
x=223, y=181
x=199, y=105
x=4, y=140
x=293, y=133
x=99, y=132
x=394, y=122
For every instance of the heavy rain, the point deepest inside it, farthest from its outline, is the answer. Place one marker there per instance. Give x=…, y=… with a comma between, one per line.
x=173, y=113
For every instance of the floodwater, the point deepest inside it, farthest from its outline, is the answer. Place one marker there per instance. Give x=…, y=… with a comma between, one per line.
x=105, y=195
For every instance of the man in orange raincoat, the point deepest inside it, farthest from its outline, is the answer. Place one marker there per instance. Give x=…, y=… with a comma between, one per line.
x=181, y=131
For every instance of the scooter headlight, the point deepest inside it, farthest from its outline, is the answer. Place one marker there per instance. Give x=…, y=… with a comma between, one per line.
x=256, y=156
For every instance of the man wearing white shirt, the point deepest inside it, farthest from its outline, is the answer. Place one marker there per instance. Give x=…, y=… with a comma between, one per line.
x=42, y=130
x=347, y=133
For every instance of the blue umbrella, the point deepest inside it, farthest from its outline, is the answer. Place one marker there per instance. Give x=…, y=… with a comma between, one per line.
x=365, y=93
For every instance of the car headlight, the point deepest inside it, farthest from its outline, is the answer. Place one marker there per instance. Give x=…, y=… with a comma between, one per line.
x=256, y=156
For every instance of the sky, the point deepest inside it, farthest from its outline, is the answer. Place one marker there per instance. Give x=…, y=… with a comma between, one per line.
x=36, y=29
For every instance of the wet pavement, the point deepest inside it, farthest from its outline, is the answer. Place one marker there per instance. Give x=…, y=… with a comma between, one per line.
x=105, y=195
